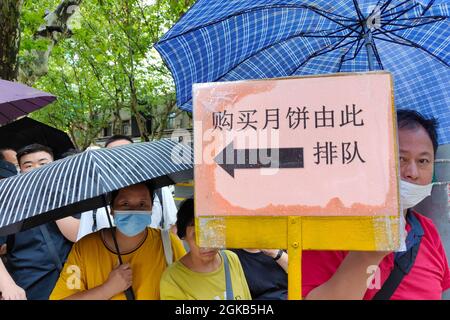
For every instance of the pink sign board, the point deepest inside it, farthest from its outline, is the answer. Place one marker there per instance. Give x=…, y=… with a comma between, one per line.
x=307, y=146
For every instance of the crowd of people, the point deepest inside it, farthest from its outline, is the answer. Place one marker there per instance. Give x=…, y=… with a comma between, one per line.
x=126, y=258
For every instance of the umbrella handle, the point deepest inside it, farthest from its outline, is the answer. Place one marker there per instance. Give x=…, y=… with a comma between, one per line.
x=129, y=292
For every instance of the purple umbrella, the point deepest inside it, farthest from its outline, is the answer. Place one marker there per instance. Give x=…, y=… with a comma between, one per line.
x=17, y=100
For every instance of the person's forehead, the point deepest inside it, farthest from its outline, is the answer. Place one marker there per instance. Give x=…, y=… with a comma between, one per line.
x=9, y=152
x=140, y=191
x=10, y=155
x=415, y=140
x=117, y=143
x=36, y=156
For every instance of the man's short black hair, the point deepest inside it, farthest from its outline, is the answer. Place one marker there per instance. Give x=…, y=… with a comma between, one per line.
x=185, y=217
x=117, y=137
x=2, y=156
x=33, y=148
x=411, y=119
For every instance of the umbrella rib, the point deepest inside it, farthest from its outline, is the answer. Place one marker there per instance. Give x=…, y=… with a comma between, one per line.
x=318, y=53
x=341, y=24
x=358, y=49
x=385, y=13
x=397, y=16
x=377, y=5
x=270, y=46
x=326, y=36
x=5, y=116
x=253, y=10
x=428, y=7
x=343, y=56
x=422, y=18
x=405, y=27
x=28, y=101
x=419, y=23
x=331, y=13
x=377, y=56
x=384, y=6
x=19, y=108
x=358, y=11
x=329, y=35
x=410, y=44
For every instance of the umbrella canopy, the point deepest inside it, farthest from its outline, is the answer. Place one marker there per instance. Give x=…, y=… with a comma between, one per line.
x=17, y=100
x=228, y=40
x=26, y=131
x=79, y=183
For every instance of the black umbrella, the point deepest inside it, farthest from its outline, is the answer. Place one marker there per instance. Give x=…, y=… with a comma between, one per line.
x=27, y=131
x=81, y=182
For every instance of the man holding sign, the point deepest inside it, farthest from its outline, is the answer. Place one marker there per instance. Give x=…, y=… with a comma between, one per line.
x=422, y=271
x=329, y=142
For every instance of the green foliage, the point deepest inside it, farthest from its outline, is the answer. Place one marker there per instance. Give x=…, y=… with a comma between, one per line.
x=32, y=17
x=107, y=65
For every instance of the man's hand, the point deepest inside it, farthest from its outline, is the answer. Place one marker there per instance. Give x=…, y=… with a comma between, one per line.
x=2, y=249
x=119, y=280
x=10, y=291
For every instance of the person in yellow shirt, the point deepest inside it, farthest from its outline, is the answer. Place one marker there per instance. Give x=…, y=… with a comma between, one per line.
x=92, y=270
x=203, y=273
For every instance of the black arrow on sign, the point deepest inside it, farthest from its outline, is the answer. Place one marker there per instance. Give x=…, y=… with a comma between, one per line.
x=231, y=159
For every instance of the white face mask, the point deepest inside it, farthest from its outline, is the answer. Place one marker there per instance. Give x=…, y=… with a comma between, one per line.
x=411, y=194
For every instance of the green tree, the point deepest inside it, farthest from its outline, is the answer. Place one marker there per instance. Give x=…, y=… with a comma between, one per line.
x=97, y=56
x=81, y=109
x=112, y=46
x=9, y=38
x=29, y=30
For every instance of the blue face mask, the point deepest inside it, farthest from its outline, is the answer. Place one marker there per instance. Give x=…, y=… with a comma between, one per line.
x=131, y=223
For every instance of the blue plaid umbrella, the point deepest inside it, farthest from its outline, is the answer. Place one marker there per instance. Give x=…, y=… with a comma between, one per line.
x=228, y=40
x=80, y=182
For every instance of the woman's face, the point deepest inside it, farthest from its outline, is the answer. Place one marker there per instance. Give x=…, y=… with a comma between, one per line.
x=136, y=197
x=205, y=255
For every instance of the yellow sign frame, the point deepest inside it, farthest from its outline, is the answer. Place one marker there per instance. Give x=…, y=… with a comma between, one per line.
x=296, y=234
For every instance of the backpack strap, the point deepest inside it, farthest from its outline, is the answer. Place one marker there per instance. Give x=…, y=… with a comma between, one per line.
x=228, y=283
x=165, y=234
x=51, y=247
x=10, y=241
x=158, y=193
x=404, y=261
x=94, y=220
x=167, y=246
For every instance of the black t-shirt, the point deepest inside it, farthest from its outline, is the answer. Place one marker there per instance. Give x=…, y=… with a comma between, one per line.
x=265, y=278
x=30, y=262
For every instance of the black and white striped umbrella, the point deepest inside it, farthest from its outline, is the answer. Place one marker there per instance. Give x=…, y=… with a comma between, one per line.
x=81, y=182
